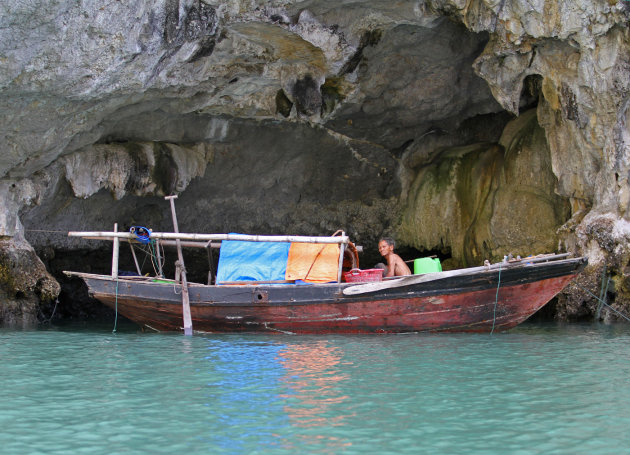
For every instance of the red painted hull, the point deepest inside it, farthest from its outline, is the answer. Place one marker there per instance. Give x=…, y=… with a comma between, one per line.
x=478, y=302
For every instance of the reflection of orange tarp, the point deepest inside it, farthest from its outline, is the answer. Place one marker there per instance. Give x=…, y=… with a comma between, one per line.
x=316, y=385
x=313, y=263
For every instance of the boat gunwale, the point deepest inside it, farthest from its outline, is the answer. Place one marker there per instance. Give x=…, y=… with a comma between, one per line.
x=474, y=271
x=290, y=308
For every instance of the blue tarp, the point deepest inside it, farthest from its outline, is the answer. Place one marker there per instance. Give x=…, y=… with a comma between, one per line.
x=252, y=261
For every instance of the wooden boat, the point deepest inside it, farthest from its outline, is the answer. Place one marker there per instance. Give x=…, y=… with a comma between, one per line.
x=480, y=299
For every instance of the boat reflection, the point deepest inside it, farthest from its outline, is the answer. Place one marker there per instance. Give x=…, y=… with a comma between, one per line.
x=276, y=395
x=314, y=383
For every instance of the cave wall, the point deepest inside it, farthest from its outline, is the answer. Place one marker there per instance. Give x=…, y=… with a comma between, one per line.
x=487, y=200
x=262, y=179
x=581, y=53
x=473, y=129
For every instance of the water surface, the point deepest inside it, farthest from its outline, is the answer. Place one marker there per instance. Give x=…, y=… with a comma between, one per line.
x=538, y=389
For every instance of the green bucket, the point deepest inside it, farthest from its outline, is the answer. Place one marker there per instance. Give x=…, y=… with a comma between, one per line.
x=426, y=265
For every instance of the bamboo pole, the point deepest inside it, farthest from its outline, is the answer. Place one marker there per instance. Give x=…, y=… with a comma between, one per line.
x=185, y=243
x=180, y=256
x=115, y=254
x=159, y=257
x=191, y=244
x=105, y=235
x=341, y=252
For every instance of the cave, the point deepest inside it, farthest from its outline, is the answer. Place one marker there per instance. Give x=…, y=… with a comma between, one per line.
x=461, y=133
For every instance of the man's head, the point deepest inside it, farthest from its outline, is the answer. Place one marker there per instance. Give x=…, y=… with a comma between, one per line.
x=386, y=246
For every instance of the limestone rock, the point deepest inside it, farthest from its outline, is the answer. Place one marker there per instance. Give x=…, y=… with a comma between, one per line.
x=485, y=201
x=24, y=284
x=138, y=168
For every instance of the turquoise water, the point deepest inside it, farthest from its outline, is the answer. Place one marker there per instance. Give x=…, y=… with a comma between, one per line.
x=538, y=389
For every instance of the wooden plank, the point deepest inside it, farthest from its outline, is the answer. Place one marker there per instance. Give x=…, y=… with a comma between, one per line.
x=416, y=279
x=191, y=244
x=256, y=282
x=185, y=298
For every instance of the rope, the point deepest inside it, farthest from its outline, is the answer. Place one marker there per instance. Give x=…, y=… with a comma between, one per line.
x=314, y=261
x=339, y=231
x=601, y=301
x=179, y=268
x=144, y=261
x=49, y=320
x=141, y=233
x=496, y=301
x=154, y=258
x=54, y=309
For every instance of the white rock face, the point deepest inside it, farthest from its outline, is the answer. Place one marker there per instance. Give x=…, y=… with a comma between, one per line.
x=115, y=168
x=581, y=52
x=78, y=74
x=72, y=69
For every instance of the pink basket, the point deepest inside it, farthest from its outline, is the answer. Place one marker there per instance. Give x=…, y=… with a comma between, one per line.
x=361, y=276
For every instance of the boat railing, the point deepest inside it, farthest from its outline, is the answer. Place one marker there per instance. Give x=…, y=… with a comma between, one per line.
x=192, y=240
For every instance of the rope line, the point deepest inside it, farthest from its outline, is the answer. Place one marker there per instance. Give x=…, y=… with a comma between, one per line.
x=496, y=301
x=603, y=302
x=153, y=247
x=49, y=320
x=54, y=309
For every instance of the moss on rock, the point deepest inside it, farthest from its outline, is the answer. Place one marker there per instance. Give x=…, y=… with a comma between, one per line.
x=486, y=200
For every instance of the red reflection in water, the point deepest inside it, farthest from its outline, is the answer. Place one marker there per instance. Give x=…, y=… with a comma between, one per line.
x=313, y=375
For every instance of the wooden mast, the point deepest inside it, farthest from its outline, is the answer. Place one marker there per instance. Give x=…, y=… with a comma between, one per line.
x=180, y=257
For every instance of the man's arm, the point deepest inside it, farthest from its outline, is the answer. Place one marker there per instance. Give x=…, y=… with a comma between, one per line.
x=400, y=267
x=391, y=265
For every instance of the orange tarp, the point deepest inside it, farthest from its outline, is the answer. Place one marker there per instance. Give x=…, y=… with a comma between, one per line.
x=312, y=262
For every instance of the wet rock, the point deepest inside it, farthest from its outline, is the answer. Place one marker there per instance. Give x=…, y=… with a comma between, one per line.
x=283, y=104
x=139, y=168
x=25, y=285
x=307, y=96
x=475, y=200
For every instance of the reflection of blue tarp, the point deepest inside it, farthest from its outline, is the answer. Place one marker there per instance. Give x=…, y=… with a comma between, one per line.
x=252, y=261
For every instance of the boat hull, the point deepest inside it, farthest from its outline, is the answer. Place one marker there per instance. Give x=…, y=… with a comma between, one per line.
x=477, y=302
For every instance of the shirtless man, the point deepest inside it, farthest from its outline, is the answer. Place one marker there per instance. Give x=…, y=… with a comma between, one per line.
x=395, y=265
